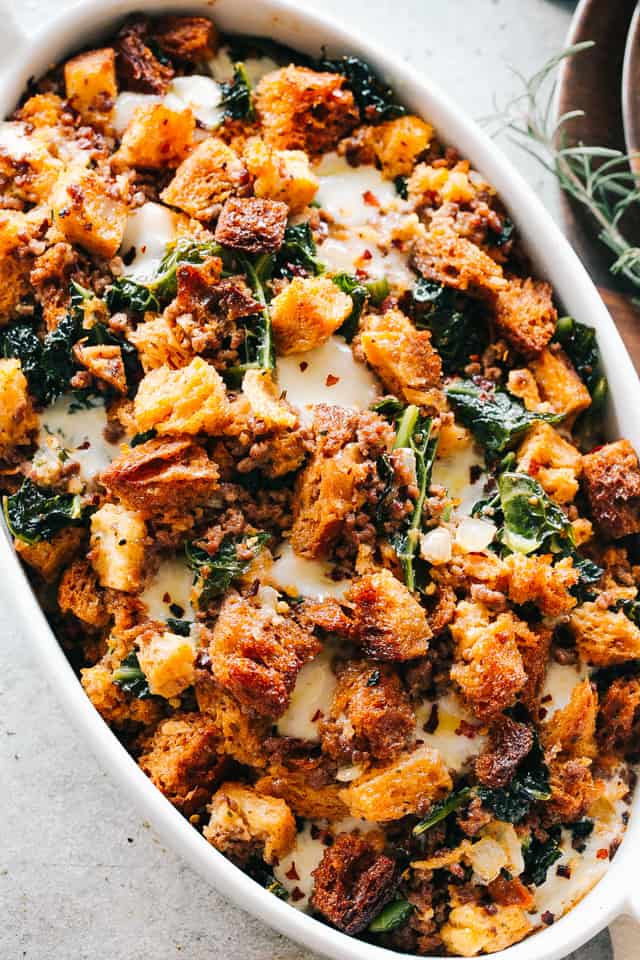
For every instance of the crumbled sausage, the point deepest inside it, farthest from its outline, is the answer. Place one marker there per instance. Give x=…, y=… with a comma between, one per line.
x=138, y=66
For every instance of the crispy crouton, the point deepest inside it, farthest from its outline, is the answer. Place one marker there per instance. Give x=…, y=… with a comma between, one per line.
x=604, y=637
x=509, y=743
x=612, y=484
x=42, y=111
x=536, y=580
x=447, y=258
x=389, y=623
x=533, y=644
x=14, y=268
x=86, y=212
x=411, y=784
x=91, y=87
x=243, y=822
x=397, y=143
x=488, y=665
x=117, y=708
x=211, y=174
x=301, y=109
x=559, y=384
x=241, y=736
x=402, y=356
x=525, y=314
x=181, y=758
x=265, y=403
x=522, y=384
x=18, y=420
x=472, y=929
x=554, y=462
x=117, y=547
x=48, y=557
x=252, y=225
x=29, y=170
x=166, y=659
x=191, y=400
x=370, y=715
x=280, y=174
x=570, y=732
x=302, y=794
x=189, y=39
x=156, y=138
x=80, y=595
x=619, y=719
x=306, y=312
x=353, y=882
x=433, y=186
x=572, y=790
x=138, y=66
x=161, y=473
x=256, y=655
x=105, y=362
x=161, y=343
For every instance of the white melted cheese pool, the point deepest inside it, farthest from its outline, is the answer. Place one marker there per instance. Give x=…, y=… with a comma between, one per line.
x=81, y=433
x=311, y=699
x=148, y=231
x=298, y=576
x=449, y=738
x=560, y=681
x=172, y=584
x=454, y=473
x=200, y=94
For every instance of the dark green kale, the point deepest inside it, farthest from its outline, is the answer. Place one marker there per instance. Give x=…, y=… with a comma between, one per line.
x=258, y=346
x=529, y=785
x=495, y=418
x=581, y=829
x=375, y=99
x=440, y=811
x=589, y=573
x=359, y=291
x=125, y=293
x=402, y=186
x=130, y=678
x=501, y=237
x=531, y=518
x=539, y=855
x=393, y=915
x=298, y=254
x=34, y=514
x=276, y=888
x=581, y=346
x=236, y=102
x=140, y=438
x=389, y=407
x=215, y=574
x=180, y=627
x=247, y=47
x=458, y=328
x=20, y=341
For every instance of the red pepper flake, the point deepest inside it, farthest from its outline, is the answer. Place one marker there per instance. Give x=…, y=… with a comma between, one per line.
x=370, y=198
x=166, y=598
x=602, y=854
x=547, y=698
x=331, y=380
x=316, y=716
x=84, y=446
x=542, y=713
x=367, y=255
x=467, y=730
x=362, y=274
x=297, y=894
x=292, y=873
x=564, y=870
x=303, y=366
x=548, y=918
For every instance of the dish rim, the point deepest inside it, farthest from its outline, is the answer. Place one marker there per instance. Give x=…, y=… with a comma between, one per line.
x=553, y=258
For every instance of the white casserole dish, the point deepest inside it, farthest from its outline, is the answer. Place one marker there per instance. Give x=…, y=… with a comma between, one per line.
x=553, y=259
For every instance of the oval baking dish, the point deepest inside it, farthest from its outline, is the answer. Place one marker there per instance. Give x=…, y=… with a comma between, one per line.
x=552, y=258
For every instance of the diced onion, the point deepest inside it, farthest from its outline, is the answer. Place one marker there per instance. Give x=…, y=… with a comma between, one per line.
x=435, y=546
x=347, y=774
x=473, y=535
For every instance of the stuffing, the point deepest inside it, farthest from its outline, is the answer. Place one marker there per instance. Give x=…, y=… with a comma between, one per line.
x=211, y=174
x=302, y=794
x=105, y=362
x=156, y=138
x=522, y=384
x=256, y=654
x=559, y=384
x=611, y=479
x=138, y=66
x=42, y=111
x=389, y=623
x=554, y=462
x=118, y=547
x=91, y=87
x=472, y=928
x=79, y=594
x=242, y=822
x=14, y=268
x=182, y=760
x=402, y=356
x=88, y=211
x=538, y=580
x=160, y=474
x=443, y=256
x=370, y=716
x=429, y=183
x=306, y=312
x=241, y=736
x=265, y=402
x=409, y=784
x=397, y=144
x=252, y=225
x=187, y=39
x=166, y=659
x=509, y=744
x=118, y=709
x=301, y=109
x=191, y=400
x=284, y=175
x=488, y=665
x=353, y=882
x=570, y=732
x=572, y=790
x=525, y=314
x=31, y=172
x=48, y=557
x=161, y=343
x=604, y=637
x=619, y=719
x=18, y=420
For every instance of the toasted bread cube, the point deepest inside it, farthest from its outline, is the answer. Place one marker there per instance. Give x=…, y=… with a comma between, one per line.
x=265, y=403
x=554, y=462
x=522, y=384
x=115, y=707
x=117, y=547
x=436, y=185
x=404, y=786
x=397, y=143
x=472, y=929
x=42, y=111
x=156, y=138
x=559, y=384
x=48, y=557
x=307, y=312
x=280, y=174
x=525, y=314
x=447, y=258
x=138, y=66
x=252, y=225
x=167, y=661
x=619, y=732
x=302, y=796
x=27, y=166
x=612, y=484
x=91, y=86
x=211, y=174
x=242, y=821
x=190, y=39
x=105, y=362
x=402, y=356
x=301, y=109
x=86, y=213
x=18, y=420
x=571, y=731
x=390, y=624
x=604, y=637
x=191, y=400
x=80, y=595
x=160, y=343
x=242, y=735
x=181, y=758
x=535, y=580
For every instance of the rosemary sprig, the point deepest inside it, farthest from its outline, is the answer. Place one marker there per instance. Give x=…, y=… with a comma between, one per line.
x=599, y=178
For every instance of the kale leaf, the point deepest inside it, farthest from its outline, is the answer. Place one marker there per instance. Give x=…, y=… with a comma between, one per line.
x=495, y=418
x=180, y=627
x=539, y=855
x=215, y=574
x=34, y=514
x=360, y=292
x=501, y=237
x=246, y=47
x=259, y=349
x=458, y=329
x=130, y=678
x=236, y=99
x=140, y=438
x=402, y=186
x=389, y=407
x=440, y=811
x=125, y=293
x=374, y=98
x=20, y=341
x=581, y=346
x=298, y=253
x=531, y=518
x=529, y=784
x=393, y=915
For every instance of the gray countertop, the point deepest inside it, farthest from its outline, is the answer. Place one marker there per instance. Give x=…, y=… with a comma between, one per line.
x=82, y=876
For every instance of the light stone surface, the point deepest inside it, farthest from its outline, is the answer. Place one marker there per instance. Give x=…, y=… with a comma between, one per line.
x=82, y=877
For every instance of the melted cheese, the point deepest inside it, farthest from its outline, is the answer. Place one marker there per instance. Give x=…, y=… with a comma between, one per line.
x=172, y=584
x=456, y=748
x=222, y=66
x=560, y=681
x=343, y=190
x=454, y=473
x=304, y=378
x=148, y=231
x=201, y=94
x=311, y=699
x=81, y=433
x=14, y=140
x=298, y=576
x=126, y=105
x=304, y=858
